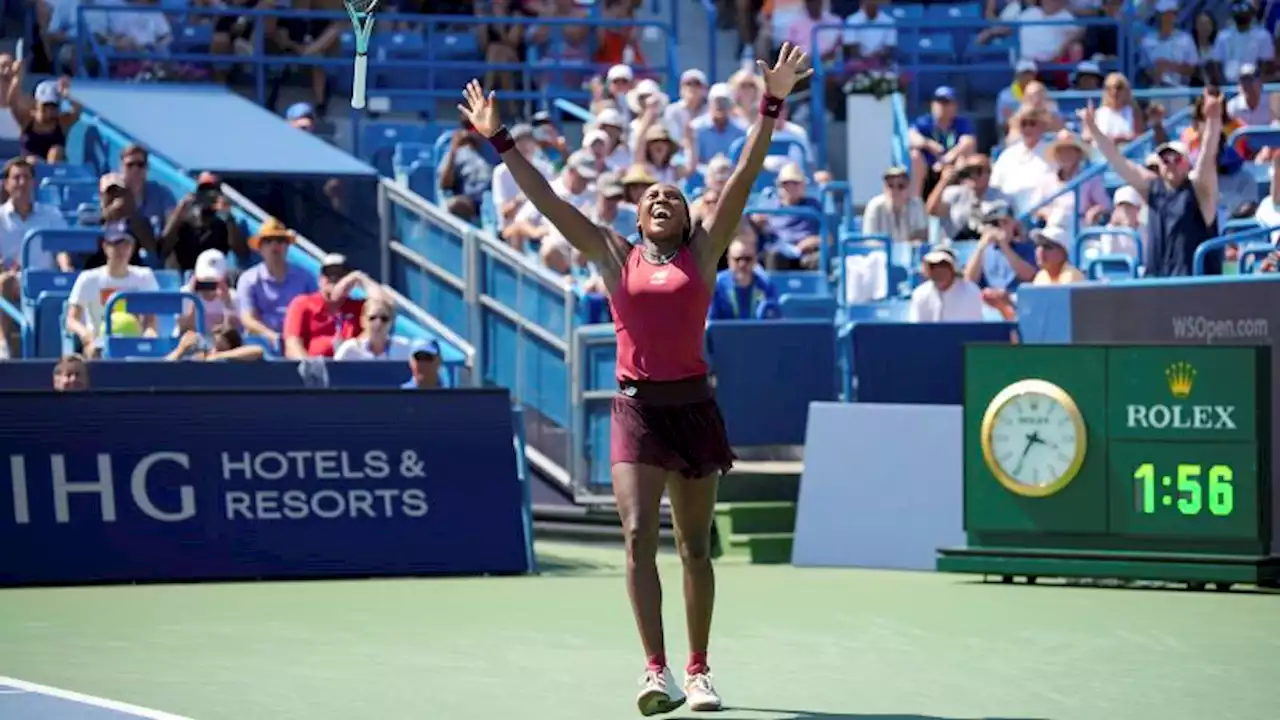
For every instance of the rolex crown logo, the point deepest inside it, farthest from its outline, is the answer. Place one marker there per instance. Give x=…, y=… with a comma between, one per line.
x=1181, y=376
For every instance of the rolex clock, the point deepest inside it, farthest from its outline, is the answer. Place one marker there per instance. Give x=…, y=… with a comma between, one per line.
x=1033, y=438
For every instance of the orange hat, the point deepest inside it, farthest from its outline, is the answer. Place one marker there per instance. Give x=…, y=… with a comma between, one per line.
x=271, y=228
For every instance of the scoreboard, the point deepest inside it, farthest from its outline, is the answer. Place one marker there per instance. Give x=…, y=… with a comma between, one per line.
x=1134, y=462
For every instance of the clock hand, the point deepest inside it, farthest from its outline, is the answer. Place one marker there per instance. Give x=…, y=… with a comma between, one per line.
x=1030, y=441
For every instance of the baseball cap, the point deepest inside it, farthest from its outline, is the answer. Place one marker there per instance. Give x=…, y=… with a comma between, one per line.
x=521, y=130
x=427, y=347
x=720, y=91
x=109, y=180
x=1088, y=67
x=208, y=179
x=609, y=117
x=1127, y=195
x=117, y=232
x=620, y=72
x=610, y=186
x=333, y=260
x=211, y=265
x=1173, y=146
x=583, y=163
x=993, y=210
x=940, y=256
x=47, y=93
x=1025, y=65
x=1051, y=235
x=694, y=75
x=944, y=93
x=299, y=110
x=594, y=136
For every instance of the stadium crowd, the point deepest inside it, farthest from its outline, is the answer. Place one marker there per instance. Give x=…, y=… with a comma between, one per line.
x=983, y=212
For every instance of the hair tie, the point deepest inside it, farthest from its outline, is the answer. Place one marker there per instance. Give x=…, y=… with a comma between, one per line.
x=501, y=140
x=770, y=106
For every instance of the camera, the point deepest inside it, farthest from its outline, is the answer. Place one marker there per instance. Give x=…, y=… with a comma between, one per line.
x=206, y=285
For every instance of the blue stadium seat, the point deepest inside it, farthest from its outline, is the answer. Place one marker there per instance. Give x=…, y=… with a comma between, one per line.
x=906, y=11
x=68, y=192
x=378, y=139
x=799, y=282
x=1110, y=267
x=942, y=12
x=47, y=320
x=192, y=39
x=800, y=306
x=45, y=171
x=159, y=303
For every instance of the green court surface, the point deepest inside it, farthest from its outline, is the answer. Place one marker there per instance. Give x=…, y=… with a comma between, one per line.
x=789, y=643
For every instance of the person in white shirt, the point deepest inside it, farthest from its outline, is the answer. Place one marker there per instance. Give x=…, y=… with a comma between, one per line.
x=1268, y=212
x=19, y=214
x=1055, y=39
x=870, y=33
x=209, y=283
x=1244, y=43
x=573, y=185
x=507, y=199
x=1021, y=169
x=92, y=288
x=1169, y=53
x=1250, y=106
x=619, y=153
x=376, y=341
x=620, y=79
x=691, y=105
x=133, y=31
x=1118, y=116
x=1127, y=215
x=644, y=97
x=946, y=296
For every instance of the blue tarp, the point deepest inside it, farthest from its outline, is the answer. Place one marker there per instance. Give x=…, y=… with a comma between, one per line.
x=207, y=127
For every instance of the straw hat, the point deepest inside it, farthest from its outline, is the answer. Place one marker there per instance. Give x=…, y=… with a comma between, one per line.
x=1065, y=139
x=659, y=133
x=791, y=172
x=638, y=175
x=644, y=88
x=271, y=228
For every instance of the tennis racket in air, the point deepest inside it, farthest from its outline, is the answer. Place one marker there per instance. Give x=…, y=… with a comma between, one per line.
x=361, y=12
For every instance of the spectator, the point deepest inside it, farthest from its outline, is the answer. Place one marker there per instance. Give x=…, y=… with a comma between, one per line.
x=959, y=195
x=139, y=32
x=573, y=185
x=465, y=171
x=610, y=210
x=1052, y=258
x=1089, y=202
x=793, y=241
x=507, y=199
x=1205, y=34
x=1103, y=41
x=717, y=173
x=265, y=290
x=1086, y=76
x=1169, y=55
x=896, y=211
x=1003, y=12
x=1010, y=98
x=937, y=138
x=619, y=43
x=153, y=200
x=801, y=32
x=376, y=341
x=946, y=296
x=1183, y=201
x=656, y=150
x=619, y=81
x=692, y=104
x=1250, y=107
x=225, y=344
x=801, y=149
x=424, y=367
x=316, y=322
x=89, y=294
x=1243, y=43
x=744, y=291
x=118, y=207
x=635, y=181
x=1127, y=215
x=1237, y=186
x=1268, y=212
x=503, y=44
x=1193, y=135
x=1118, y=115
x=619, y=154
x=1036, y=97
x=1002, y=260
x=20, y=214
x=870, y=38
x=71, y=374
x=716, y=132
x=308, y=37
x=1054, y=39
x=209, y=283
x=597, y=143
x=1021, y=168
x=704, y=208
x=747, y=87
x=646, y=96
x=202, y=221
x=301, y=116
x=43, y=123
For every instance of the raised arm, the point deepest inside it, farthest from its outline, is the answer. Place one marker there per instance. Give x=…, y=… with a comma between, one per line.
x=1204, y=176
x=792, y=67
x=581, y=233
x=1132, y=173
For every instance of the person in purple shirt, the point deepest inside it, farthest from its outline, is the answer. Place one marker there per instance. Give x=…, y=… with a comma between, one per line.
x=716, y=132
x=938, y=138
x=264, y=290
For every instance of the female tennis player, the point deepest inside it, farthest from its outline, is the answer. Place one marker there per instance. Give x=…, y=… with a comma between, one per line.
x=667, y=432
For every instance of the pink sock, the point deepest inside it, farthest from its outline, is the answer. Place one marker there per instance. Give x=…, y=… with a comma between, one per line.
x=657, y=662
x=697, y=664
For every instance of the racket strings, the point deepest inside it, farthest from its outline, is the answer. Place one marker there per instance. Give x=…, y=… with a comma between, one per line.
x=362, y=7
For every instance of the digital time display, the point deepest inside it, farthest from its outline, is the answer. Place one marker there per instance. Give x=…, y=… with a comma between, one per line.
x=1184, y=489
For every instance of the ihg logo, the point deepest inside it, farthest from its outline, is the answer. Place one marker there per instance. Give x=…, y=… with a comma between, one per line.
x=1181, y=379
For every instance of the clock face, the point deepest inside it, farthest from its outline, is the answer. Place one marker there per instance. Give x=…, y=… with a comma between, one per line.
x=1034, y=438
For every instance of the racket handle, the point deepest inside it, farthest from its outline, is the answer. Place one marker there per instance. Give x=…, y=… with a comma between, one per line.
x=357, y=84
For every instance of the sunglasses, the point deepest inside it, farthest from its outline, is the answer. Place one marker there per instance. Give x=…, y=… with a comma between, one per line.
x=897, y=185
x=135, y=164
x=742, y=258
x=273, y=241
x=1029, y=123
x=380, y=318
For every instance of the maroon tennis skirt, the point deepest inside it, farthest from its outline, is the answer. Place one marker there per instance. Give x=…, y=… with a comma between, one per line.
x=673, y=425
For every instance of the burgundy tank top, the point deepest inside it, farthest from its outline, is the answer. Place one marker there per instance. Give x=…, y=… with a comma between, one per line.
x=660, y=312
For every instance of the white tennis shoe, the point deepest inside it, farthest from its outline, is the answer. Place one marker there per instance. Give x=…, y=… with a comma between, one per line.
x=660, y=694
x=702, y=693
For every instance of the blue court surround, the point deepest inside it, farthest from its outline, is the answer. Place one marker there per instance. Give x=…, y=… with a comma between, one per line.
x=208, y=127
x=21, y=700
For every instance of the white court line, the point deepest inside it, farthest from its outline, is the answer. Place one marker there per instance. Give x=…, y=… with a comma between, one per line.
x=83, y=699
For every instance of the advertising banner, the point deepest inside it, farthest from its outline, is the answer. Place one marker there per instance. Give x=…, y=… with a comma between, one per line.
x=208, y=485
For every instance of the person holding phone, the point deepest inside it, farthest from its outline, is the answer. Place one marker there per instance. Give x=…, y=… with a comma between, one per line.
x=209, y=283
x=202, y=221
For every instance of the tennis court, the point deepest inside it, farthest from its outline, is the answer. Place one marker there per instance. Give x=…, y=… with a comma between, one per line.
x=789, y=643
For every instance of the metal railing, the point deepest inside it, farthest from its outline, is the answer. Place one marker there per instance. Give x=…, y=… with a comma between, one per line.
x=518, y=318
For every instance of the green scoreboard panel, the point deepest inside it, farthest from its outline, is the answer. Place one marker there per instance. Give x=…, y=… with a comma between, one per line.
x=1135, y=462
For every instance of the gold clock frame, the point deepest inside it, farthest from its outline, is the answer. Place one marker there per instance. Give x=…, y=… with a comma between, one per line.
x=1007, y=395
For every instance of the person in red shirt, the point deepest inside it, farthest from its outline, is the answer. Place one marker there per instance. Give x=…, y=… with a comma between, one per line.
x=317, y=322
